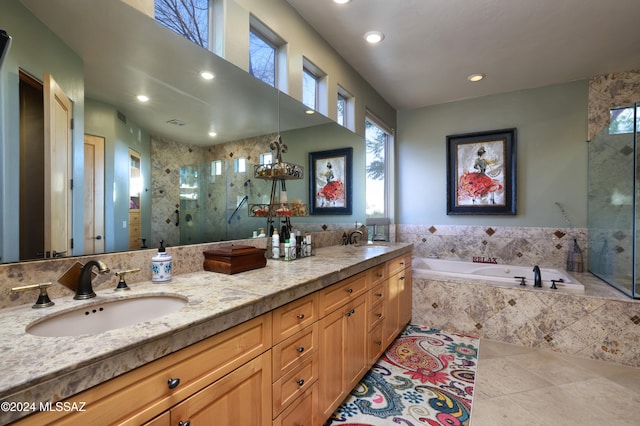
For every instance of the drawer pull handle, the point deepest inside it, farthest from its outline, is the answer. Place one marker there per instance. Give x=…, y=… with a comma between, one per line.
x=173, y=383
x=401, y=278
x=300, y=382
x=402, y=263
x=379, y=342
x=349, y=290
x=300, y=316
x=351, y=312
x=379, y=315
x=300, y=349
x=379, y=294
x=379, y=274
x=187, y=423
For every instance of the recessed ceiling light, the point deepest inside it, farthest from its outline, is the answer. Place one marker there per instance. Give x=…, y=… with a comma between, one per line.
x=309, y=112
x=207, y=75
x=213, y=134
x=341, y=1
x=143, y=98
x=476, y=77
x=374, y=37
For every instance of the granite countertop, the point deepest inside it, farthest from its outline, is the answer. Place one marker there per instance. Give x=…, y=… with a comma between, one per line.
x=52, y=368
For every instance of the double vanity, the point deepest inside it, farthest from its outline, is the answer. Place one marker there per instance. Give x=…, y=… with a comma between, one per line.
x=280, y=345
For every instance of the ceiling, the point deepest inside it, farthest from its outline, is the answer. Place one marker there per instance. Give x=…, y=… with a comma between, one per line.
x=431, y=46
x=125, y=53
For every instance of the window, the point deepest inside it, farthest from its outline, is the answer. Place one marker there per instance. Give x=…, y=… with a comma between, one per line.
x=309, y=89
x=262, y=59
x=312, y=82
x=344, y=108
x=240, y=165
x=266, y=158
x=622, y=120
x=263, y=52
x=378, y=148
x=189, y=18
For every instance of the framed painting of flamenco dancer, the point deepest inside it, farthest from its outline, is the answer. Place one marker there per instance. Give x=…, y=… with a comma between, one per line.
x=481, y=173
x=330, y=182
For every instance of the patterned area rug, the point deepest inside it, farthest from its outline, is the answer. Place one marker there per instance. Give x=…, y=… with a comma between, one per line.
x=426, y=377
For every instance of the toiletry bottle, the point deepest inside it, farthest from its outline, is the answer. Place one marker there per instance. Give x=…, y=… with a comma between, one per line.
x=292, y=247
x=287, y=248
x=161, y=265
x=307, y=247
x=298, y=244
x=275, y=245
x=284, y=236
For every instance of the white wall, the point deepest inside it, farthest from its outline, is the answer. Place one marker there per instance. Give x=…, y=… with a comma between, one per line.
x=551, y=157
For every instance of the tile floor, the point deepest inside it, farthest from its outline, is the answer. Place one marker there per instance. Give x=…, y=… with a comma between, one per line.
x=528, y=387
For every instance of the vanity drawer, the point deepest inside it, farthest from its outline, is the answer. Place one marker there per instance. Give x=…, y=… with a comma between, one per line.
x=375, y=346
x=294, y=316
x=293, y=384
x=340, y=294
x=294, y=351
x=302, y=412
x=398, y=264
x=377, y=274
x=375, y=315
x=375, y=295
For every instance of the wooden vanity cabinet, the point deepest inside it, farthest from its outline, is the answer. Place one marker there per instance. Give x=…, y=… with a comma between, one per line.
x=145, y=392
x=289, y=367
x=397, y=299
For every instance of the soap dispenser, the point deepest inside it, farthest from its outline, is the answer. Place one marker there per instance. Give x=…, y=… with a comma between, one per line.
x=161, y=265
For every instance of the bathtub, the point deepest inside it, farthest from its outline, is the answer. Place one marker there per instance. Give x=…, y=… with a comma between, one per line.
x=502, y=275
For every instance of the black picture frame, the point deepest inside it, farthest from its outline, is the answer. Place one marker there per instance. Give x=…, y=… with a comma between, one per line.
x=330, y=182
x=481, y=173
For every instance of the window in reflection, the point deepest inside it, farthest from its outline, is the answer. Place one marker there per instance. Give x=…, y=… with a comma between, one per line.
x=240, y=165
x=266, y=158
x=344, y=108
x=189, y=18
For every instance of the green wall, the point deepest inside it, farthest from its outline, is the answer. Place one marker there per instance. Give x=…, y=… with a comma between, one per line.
x=551, y=125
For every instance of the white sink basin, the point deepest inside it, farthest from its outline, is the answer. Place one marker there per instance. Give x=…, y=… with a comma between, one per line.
x=106, y=315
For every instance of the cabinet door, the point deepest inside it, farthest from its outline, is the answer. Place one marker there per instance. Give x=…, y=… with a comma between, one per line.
x=331, y=390
x=391, y=323
x=242, y=397
x=343, y=353
x=405, y=298
x=356, y=342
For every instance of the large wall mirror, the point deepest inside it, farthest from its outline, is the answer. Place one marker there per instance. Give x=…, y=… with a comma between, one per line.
x=181, y=186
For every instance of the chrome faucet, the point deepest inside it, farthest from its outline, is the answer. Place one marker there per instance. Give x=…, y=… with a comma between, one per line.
x=537, y=278
x=84, y=289
x=351, y=239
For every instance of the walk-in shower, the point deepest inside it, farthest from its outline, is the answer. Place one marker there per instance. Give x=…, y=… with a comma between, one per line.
x=613, y=201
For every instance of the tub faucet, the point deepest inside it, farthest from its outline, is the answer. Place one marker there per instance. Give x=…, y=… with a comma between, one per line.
x=537, y=279
x=84, y=289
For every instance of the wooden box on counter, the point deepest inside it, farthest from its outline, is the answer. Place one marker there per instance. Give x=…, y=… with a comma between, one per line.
x=234, y=258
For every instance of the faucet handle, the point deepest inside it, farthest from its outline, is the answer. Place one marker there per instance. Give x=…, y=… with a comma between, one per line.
x=122, y=284
x=43, y=298
x=522, y=279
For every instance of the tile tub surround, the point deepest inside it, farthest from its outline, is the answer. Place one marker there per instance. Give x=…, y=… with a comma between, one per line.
x=546, y=247
x=45, y=369
x=601, y=324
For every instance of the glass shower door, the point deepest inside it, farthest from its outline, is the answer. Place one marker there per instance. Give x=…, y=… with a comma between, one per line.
x=612, y=200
